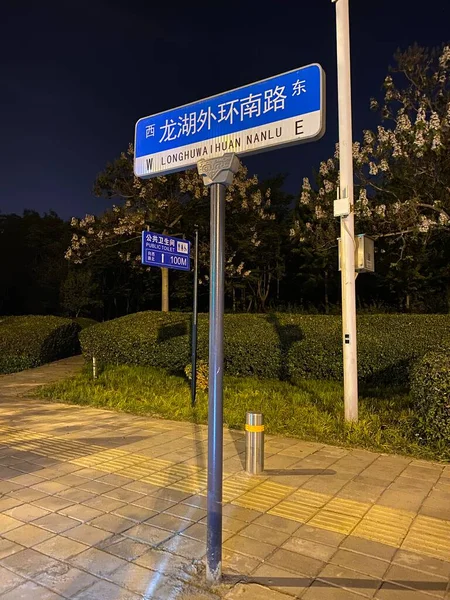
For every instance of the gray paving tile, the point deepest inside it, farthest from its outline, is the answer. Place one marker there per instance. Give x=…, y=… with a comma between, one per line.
x=26, y=512
x=112, y=523
x=85, y=534
x=126, y=548
x=30, y=590
x=97, y=562
x=136, y=578
x=297, y=563
x=148, y=534
x=423, y=563
x=251, y=591
x=65, y=580
x=280, y=580
x=104, y=590
x=28, y=562
x=7, y=547
x=60, y=547
x=9, y=580
x=245, y=545
x=56, y=523
x=28, y=535
x=418, y=580
x=309, y=548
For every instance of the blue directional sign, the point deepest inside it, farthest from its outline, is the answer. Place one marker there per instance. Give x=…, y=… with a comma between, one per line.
x=160, y=250
x=279, y=111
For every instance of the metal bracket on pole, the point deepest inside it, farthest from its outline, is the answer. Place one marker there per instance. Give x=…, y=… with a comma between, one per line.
x=217, y=174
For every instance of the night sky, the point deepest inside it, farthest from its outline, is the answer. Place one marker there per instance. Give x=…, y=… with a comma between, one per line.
x=75, y=77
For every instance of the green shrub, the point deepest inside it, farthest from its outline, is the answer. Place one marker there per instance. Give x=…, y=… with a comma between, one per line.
x=30, y=341
x=430, y=392
x=281, y=346
x=84, y=322
x=164, y=340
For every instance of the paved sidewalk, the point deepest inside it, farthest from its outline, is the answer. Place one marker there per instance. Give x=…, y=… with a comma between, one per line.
x=100, y=505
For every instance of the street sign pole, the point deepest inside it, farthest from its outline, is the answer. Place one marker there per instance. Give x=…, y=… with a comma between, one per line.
x=194, y=321
x=217, y=174
x=273, y=113
x=347, y=220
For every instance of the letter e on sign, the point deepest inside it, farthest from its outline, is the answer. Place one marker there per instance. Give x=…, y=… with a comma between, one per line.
x=299, y=127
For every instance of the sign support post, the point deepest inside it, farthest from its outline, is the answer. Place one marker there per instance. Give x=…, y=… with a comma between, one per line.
x=276, y=112
x=217, y=174
x=347, y=216
x=195, y=321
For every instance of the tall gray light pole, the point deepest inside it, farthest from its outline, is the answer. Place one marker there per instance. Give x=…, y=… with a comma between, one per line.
x=346, y=212
x=217, y=174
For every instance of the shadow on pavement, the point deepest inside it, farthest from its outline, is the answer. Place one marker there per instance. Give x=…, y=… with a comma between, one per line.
x=338, y=582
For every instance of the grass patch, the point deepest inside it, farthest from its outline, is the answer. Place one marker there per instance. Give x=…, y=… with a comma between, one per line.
x=307, y=409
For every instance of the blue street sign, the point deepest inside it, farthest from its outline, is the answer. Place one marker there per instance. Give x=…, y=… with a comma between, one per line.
x=279, y=111
x=164, y=251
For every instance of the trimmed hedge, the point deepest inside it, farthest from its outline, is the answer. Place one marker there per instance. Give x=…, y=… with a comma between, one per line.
x=84, y=322
x=31, y=341
x=279, y=346
x=430, y=391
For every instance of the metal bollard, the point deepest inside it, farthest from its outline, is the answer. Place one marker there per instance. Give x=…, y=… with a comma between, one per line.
x=254, y=443
x=94, y=367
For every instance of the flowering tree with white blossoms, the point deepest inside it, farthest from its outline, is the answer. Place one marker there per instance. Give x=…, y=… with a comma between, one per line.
x=402, y=170
x=170, y=205
x=251, y=238
x=155, y=203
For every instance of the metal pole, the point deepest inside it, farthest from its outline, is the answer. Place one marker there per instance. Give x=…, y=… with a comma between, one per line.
x=347, y=222
x=94, y=368
x=217, y=173
x=194, y=321
x=215, y=404
x=254, y=443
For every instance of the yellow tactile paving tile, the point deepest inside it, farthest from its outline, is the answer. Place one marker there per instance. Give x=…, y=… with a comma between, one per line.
x=333, y=521
x=385, y=525
x=193, y=485
x=293, y=510
x=263, y=496
x=310, y=498
x=347, y=507
x=429, y=536
x=236, y=485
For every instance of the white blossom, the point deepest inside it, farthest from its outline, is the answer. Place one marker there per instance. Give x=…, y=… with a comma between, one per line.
x=381, y=210
x=373, y=169
x=306, y=184
x=436, y=143
x=444, y=59
x=328, y=185
x=323, y=170
x=320, y=214
x=435, y=122
x=425, y=224
x=368, y=137
x=403, y=123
